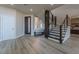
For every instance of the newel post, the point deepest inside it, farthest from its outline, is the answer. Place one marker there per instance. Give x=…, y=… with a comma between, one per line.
x=46, y=23
x=67, y=20
x=55, y=21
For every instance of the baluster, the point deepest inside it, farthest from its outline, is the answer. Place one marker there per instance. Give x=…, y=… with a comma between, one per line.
x=60, y=34
x=67, y=20
x=55, y=21
x=46, y=23
x=52, y=21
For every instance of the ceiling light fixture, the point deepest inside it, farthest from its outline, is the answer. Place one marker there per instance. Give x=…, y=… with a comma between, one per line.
x=12, y=4
x=51, y=4
x=31, y=9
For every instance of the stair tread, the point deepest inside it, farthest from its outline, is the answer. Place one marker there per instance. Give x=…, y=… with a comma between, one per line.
x=59, y=29
x=56, y=34
x=54, y=38
x=57, y=38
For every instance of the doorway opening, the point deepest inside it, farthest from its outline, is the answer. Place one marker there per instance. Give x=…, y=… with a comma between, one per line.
x=75, y=25
x=27, y=24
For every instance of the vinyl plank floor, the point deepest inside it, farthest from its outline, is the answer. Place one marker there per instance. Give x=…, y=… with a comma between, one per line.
x=39, y=45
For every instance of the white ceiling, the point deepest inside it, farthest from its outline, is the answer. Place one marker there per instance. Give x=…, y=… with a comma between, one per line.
x=37, y=8
x=70, y=6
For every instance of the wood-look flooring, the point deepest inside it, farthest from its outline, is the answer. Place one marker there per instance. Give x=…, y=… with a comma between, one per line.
x=39, y=45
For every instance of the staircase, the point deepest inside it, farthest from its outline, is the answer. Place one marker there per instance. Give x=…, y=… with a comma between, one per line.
x=59, y=32
x=56, y=32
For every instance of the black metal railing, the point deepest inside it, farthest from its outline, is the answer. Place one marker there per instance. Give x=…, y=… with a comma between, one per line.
x=63, y=26
x=53, y=21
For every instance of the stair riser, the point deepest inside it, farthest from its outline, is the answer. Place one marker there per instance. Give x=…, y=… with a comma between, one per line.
x=55, y=38
x=57, y=35
x=57, y=32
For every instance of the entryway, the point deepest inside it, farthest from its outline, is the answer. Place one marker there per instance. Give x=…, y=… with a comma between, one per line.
x=27, y=24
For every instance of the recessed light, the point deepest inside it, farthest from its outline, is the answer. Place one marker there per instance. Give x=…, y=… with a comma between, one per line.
x=12, y=4
x=31, y=9
x=51, y=4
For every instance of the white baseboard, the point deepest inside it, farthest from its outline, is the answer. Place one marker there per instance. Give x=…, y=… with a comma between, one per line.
x=1, y=40
x=19, y=35
x=12, y=38
x=7, y=39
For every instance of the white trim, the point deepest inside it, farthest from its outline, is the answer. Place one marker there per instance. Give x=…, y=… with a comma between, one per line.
x=19, y=35
x=1, y=40
x=32, y=24
x=7, y=39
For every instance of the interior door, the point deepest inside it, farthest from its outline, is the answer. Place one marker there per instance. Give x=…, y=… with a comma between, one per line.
x=0, y=27
x=8, y=27
x=28, y=25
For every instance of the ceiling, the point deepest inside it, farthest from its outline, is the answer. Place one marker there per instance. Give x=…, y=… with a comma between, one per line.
x=70, y=6
x=32, y=8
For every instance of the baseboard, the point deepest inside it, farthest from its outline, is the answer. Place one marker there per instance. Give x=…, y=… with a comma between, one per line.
x=19, y=35
x=12, y=38
x=1, y=40
x=7, y=39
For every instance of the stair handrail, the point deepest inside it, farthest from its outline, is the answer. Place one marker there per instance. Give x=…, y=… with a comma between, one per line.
x=65, y=24
x=65, y=20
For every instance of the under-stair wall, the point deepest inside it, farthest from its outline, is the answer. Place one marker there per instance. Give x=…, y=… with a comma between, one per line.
x=67, y=35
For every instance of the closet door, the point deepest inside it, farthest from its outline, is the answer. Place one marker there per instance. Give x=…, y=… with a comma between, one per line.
x=0, y=28
x=8, y=27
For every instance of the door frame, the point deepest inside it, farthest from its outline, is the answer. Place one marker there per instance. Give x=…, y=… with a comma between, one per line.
x=30, y=24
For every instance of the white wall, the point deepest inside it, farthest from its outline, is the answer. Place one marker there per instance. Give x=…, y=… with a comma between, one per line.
x=32, y=25
x=71, y=10
x=11, y=23
x=19, y=24
x=0, y=27
x=7, y=18
x=41, y=20
x=38, y=25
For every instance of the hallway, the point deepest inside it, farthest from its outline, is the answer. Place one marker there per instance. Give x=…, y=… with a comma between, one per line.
x=39, y=45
